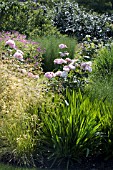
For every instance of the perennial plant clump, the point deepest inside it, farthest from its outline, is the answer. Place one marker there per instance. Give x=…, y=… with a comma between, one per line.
x=69, y=73
x=52, y=52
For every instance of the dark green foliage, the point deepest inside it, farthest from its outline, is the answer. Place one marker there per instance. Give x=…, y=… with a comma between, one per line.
x=69, y=131
x=97, y=5
x=72, y=20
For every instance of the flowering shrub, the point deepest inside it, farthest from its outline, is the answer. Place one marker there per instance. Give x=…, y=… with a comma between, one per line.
x=25, y=53
x=74, y=73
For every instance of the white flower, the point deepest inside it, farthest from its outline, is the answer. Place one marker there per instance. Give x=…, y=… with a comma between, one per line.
x=64, y=74
x=20, y=52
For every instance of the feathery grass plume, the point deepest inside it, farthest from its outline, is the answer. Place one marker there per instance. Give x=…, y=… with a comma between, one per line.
x=17, y=125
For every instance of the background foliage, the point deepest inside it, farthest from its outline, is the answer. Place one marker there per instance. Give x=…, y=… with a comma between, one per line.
x=97, y=5
x=26, y=17
x=72, y=20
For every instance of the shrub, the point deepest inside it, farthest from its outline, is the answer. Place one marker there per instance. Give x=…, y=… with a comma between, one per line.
x=48, y=129
x=100, y=6
x=28, y=18
x=72, y=20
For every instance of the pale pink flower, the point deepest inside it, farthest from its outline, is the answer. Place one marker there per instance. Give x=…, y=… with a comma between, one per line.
x=11, y=43
x=72, y=67
x=36, y=76
x=58, y=73
x=68, y=60
x=66, y=53
x=33, y=76
x=87, y=66
x=18, y=56
x=23, y=71
x=73, y=61
x=61, y=46
x=66, y=68
x=60, y=61
x=49, y=75
x=30, y=74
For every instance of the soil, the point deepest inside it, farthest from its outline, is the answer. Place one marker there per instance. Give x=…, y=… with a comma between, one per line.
x=97, y=164
x=91, y=164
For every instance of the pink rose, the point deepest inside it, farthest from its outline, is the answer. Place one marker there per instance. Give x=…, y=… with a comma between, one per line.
x=49, y=75
x=60, y=61
x=11, y=43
